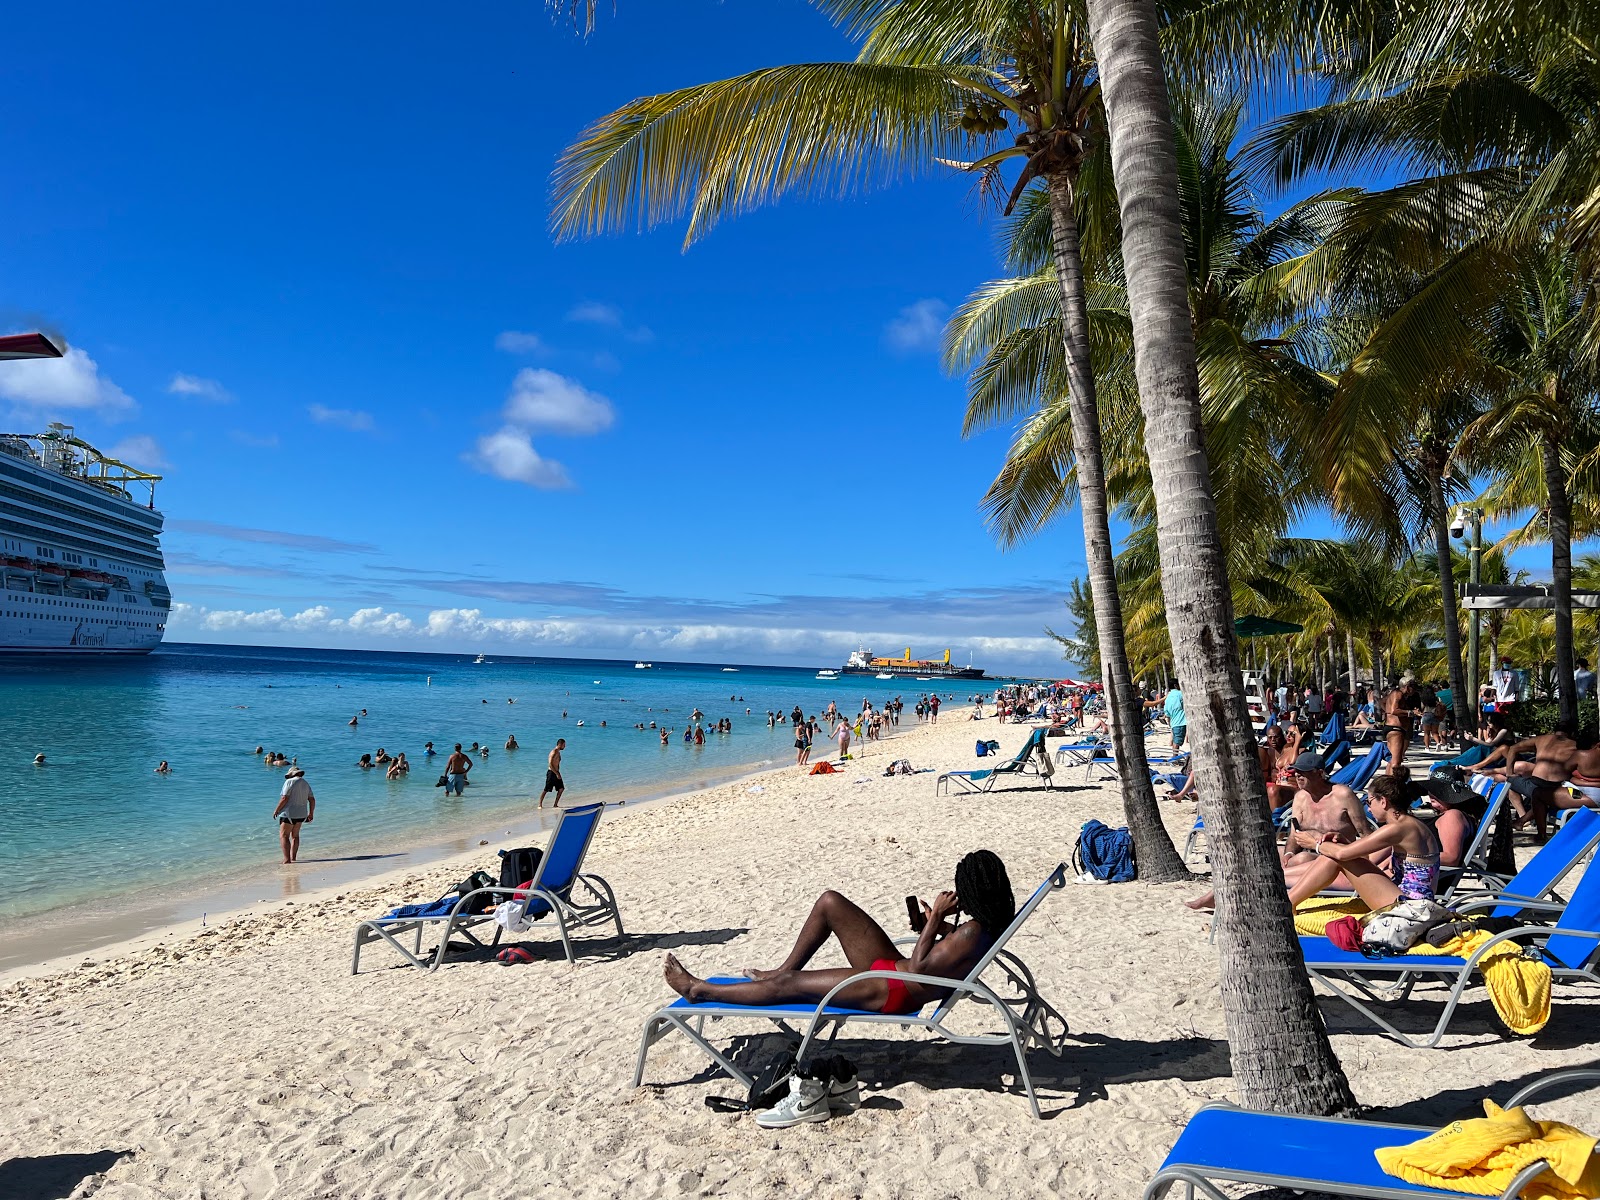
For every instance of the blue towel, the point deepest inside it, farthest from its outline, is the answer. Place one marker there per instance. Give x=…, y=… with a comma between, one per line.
x=434, y=908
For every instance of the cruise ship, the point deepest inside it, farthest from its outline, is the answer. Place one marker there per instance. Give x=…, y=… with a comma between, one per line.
x=862, y=662
x=79, y=562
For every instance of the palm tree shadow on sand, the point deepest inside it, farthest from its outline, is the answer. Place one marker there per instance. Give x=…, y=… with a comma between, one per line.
x=54, y=1176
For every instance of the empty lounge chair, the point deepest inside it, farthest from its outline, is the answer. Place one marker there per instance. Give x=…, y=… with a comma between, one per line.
x=559, y=889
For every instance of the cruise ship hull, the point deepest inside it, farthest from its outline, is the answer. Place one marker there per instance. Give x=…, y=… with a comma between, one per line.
x=934, y=671
x=81, y=571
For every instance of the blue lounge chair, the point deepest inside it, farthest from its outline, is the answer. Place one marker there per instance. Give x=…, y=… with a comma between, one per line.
x=1358, y=772
x=1026, y=1019
x=1333, y=732
x=1570, y=948
x=1335, y=755
x=551, y=894
x=1325, y=1155
x=1024, y=763
x=1533, y=888
x=1103, y=764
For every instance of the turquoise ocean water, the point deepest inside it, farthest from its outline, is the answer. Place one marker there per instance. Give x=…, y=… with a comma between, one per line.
x=97, y=811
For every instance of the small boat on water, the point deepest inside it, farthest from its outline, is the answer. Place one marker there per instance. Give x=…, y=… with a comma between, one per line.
x=883, y=675
x=825, y=674
x=735, y=670
x=642, y=666
x=481, y=661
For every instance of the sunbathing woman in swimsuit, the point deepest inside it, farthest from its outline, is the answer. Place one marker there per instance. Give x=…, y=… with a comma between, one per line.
x=1413, y=867
x=944, y=948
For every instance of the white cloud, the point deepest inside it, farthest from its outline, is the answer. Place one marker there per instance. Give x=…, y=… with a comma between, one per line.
x=344, y=418
x=515, y=341
x=543, y=400
x=508, y=453
x=917, y=326
x=140, y=450
x=58, y=387
x=592, y=312
x=609, y=316
x=200, y=389
x=471, y=629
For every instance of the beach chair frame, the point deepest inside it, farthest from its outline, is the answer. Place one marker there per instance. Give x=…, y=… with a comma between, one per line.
x=1027, y=1020
x=1240, y=1133
x=985, y=779
x=595, y=904
x=1348, y=975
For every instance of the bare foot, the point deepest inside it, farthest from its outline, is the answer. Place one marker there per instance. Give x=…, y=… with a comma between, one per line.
x=758, y=975
x=678, y=979
x=1202, y=903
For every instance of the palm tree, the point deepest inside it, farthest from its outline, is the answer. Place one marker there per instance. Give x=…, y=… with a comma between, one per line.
x=1259, y=389
x=1543, y=417
x=1279, y=1045
x=931, y=79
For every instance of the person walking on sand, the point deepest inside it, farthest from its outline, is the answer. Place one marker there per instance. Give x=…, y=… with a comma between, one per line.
x=843, y=734
x=552, y=775
x=455, y=771
x=297, y=804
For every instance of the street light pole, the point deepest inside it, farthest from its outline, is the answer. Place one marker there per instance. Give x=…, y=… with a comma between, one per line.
x=1475, y=569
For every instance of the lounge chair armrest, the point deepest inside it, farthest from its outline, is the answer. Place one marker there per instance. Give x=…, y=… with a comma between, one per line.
x=1544, y=931
x=972, y=987
x=1554, y=1079
x=1511, y=900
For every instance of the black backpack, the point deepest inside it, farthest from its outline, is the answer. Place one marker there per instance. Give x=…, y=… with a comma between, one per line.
x=475, y=882
x=518, y=866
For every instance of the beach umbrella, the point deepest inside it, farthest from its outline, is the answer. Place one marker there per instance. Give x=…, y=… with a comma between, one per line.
x=1254, y=627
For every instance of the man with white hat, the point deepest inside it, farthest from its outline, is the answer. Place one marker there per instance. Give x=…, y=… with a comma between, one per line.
x=296, y=806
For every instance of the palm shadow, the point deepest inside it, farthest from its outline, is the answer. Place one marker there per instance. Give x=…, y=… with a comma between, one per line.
x=1476, y=1018
x=547, y=947
x=54, y=1176
x=1455, y=1104
x=1090, y=1063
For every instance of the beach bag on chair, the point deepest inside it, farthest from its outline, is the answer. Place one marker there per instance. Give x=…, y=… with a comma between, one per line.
x=1104, y=853
x=519, y=866
x=1397, y=927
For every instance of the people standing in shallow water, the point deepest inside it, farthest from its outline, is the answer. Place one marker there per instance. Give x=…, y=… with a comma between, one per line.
x=553, y=782
x=511, y=742
x=297, y=804
x=946, y=947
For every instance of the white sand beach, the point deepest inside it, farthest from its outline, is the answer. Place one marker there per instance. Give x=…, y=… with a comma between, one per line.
x=245, y=1061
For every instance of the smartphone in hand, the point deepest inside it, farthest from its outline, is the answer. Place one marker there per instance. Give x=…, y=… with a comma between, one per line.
x=914, y=910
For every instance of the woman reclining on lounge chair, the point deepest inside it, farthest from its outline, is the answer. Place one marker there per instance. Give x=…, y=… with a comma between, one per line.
x=944, y=948
x=1412, y=868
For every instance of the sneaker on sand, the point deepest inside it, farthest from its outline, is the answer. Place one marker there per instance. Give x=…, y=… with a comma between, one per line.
x=806, y=1103
x=844, y=1095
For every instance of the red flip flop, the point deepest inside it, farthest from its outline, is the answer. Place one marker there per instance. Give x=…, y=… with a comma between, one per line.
x=512, y=955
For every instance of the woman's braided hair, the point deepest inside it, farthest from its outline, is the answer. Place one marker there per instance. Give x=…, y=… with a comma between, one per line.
x=985, y=890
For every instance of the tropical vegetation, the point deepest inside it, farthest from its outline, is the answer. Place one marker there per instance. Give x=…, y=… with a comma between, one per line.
x=1363, y=313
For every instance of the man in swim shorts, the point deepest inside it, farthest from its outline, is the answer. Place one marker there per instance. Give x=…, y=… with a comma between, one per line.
x=552, y=775
x=296, y=806
x=455, y=771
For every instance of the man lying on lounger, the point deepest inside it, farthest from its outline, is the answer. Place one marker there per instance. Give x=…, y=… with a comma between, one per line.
x=945, y=947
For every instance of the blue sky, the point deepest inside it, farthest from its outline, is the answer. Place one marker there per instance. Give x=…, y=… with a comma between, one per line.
x=301, y=256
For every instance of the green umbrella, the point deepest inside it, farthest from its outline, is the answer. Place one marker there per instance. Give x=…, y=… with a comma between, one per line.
x=1252, y=627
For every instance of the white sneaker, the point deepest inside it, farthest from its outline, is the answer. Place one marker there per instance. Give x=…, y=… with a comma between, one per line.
x=844, y=1095
x=806, y=1103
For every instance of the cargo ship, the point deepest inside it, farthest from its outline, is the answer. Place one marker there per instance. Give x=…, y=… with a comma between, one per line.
x=862, y=662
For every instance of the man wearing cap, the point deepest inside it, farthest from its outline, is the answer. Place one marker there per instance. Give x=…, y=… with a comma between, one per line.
x=296, y=806
x=1321, y=810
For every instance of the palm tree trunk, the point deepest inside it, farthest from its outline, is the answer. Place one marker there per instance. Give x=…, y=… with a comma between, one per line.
x=1279, y=1045
x=1350, y=660
x=1555, y=482
x=1159, y=860
x=1440, y=516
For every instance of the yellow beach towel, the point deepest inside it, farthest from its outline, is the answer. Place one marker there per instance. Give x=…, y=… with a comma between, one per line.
x=1482, y=1156
x=1519, y=988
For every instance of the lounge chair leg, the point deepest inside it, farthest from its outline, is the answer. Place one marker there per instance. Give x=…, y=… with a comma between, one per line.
x=1026, y=1079
x=652, y=1031
x=566, y=943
